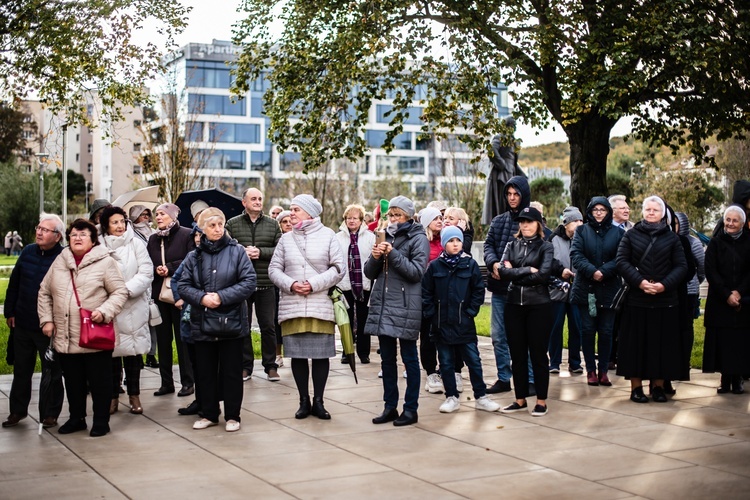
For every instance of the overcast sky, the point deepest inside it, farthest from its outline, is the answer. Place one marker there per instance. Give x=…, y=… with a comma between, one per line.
x=214, y=19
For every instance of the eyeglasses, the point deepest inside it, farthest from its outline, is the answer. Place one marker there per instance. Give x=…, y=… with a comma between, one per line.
x=79, y=236
x=44, y=230
x=598, y=209
x=394, y=216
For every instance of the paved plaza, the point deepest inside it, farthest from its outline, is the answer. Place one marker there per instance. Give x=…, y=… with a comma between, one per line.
x=594, y=443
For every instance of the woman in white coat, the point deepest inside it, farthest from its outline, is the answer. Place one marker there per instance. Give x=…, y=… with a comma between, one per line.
x=131, y=325
x=306, y=263
x=356, y=243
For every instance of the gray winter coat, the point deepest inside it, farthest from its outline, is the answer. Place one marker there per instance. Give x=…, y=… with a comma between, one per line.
x=396, y=299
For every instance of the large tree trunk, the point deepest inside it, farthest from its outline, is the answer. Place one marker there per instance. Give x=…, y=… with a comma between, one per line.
x=589, y=147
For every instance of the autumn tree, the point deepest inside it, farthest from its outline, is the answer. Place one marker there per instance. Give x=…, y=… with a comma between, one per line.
x=61, y=50
x=583, y=64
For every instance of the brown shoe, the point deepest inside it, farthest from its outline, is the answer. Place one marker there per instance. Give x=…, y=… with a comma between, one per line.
x=13, y=420
x=273, y=375
x=113, y=406
x=135, y=405
x=49, y=422
x=604, y=380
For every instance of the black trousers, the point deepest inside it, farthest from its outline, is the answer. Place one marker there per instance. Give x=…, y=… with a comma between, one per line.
x=170, y=329
x=28, y=345
x=133, y=365
x=265, y=311
x=528, y=329
x=92, y=371
x=220, y=374
x=357, y=318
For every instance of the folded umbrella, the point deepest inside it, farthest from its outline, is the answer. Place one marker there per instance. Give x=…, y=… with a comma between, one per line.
x=341, y=314
x=50, y=385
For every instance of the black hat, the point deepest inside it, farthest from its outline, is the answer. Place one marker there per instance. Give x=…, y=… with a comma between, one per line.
x=530, y=213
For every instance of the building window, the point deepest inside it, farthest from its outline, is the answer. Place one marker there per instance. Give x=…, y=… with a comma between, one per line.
x=136, y=146
x=260, y=161
x=223, y=159
x=89, y=148
x=27, y=152
x=136, y=123
x=240, y=133
x=137, y=170
x=290, y=161
x=376, y=139
x=405, y=165
x=28, y=134
x=89, y=168
x=78, y=157
x=207, y=104
x=411, y=115
x=211, y=74
x=78, y=137
x=256, y=107
x=194, y=131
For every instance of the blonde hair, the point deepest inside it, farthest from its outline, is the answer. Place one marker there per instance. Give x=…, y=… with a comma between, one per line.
x=458, y=212
x=209, y=214
x=354, y=207
x=539, y=230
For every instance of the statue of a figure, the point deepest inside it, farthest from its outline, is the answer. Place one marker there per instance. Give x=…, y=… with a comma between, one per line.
x=504, y=166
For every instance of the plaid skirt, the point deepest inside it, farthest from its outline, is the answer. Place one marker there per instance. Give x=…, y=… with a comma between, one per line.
x=310, y=345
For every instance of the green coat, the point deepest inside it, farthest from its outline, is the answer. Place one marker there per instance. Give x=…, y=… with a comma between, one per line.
x=264, y=234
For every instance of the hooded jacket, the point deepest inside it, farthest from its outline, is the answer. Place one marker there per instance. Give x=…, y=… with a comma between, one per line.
x=451, y=298
x=396, y=297
x=561, y=245
x=135, y=266
x=699, y=255
x=224, y=269
x=594, y=248
x=100, y=288
x=502, y=231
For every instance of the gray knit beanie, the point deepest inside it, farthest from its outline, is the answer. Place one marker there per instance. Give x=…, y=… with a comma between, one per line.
x=571, y=214
x=309, y=204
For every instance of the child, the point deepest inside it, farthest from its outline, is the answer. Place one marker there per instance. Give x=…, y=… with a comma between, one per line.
x=452, y=292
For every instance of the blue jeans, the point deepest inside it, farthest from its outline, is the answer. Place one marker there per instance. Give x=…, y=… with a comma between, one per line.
x=470, y=354
x=390, y=372
x=500, y=340
x=561, y=309
x=604, y=323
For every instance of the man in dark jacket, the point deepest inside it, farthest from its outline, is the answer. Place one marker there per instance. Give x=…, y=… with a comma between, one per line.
x=21, y=315
x=259, y=234
x=502, y=230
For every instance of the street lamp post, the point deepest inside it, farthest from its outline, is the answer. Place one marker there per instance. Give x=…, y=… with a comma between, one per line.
x=39, y=157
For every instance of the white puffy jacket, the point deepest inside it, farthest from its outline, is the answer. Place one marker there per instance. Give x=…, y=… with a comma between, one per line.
x=137, y=270
x=325, y=269
x=365, y=242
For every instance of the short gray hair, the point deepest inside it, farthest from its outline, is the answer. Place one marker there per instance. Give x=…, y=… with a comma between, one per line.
x=617, y=197
x=59, y=224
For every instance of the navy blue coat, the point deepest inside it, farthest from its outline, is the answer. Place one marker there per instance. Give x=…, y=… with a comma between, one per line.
x=227, y=271
x=23, y=288
x=594, y=248
x=502, y=231
x=451, y=298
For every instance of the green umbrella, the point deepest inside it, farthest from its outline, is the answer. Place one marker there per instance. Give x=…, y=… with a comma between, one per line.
x=345, y=328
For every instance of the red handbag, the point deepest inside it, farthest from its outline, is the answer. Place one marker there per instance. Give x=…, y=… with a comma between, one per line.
x=99, y=336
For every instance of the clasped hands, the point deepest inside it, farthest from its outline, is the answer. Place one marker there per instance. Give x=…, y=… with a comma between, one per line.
x=302, y=288
x=651, y=288
x=211, y=300
x=734, y=299
x=507, y=265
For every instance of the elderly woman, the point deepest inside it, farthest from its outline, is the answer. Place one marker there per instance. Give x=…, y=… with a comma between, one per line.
x=593, y=254
x=356, y=244
x=217, y=279
x=727, y=319
x=306, y=263
x=396, y=266
x=529, y=314
x=84, y=270
x=167, y=247
x=132, y=323
x=140, y=219
x=651, y=260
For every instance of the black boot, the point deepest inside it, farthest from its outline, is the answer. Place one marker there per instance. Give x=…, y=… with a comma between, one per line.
x=406, y=418
x=388, y=415
x=319, y=410
x=726, y=384
x=637, y=396
x=304, y=408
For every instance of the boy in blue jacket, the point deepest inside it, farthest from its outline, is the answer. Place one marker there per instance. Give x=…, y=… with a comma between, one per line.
x=452, y=293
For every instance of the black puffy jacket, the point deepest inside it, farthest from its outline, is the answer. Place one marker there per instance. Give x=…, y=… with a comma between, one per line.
x=227, y=271
x=665, y=264
x=502, y=231
x=451, y=297
x=594, y=248
x=527, y=288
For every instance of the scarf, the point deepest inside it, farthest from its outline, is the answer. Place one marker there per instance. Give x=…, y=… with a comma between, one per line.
x=355, y=267
x=652, y=227
x=165, y=232
x=451, y=260
x=735, y=235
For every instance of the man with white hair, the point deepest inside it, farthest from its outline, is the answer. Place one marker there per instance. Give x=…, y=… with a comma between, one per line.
x=23, y=319
x=620, y=211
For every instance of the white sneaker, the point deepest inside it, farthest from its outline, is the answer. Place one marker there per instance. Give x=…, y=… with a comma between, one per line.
x=404, y=373
x=279, y=361
x=459, y=383
x=204, y=423
x=232, y=426
x=450, y=405
x=486, y=404
x=380, y=374
x=434, y=384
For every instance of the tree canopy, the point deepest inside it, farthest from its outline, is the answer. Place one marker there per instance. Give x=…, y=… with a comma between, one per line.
x=59, y=50
x=676, y=66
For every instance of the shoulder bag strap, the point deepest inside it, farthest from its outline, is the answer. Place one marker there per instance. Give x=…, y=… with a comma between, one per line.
x=163, y=260
x=648, y=249
x=199, y=260
x=294, y=237
x=72, y=279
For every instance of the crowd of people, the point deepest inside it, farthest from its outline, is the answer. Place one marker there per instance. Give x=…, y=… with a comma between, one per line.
x=629, y=292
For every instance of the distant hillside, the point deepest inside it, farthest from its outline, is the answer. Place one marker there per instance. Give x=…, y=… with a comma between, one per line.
x=557, y=154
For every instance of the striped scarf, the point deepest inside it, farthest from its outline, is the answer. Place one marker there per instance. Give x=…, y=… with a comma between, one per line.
x=355, y=267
